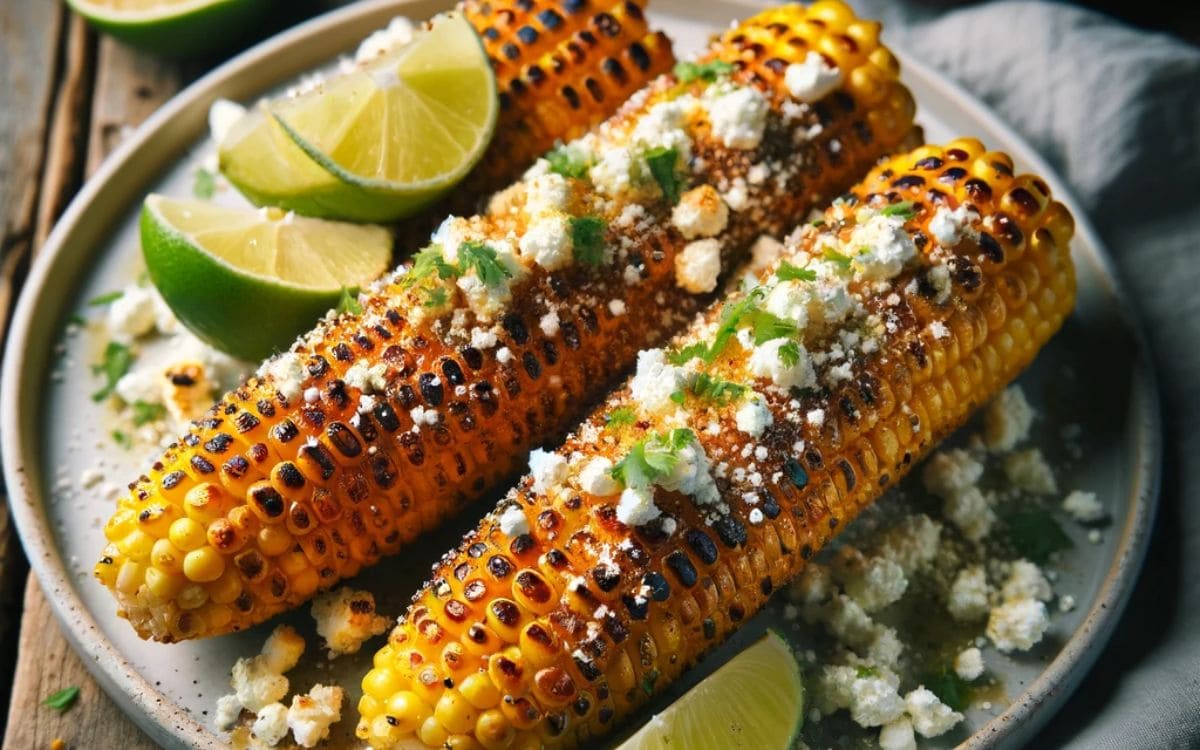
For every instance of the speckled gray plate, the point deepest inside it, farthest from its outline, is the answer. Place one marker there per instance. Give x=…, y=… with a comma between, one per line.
x=50, y=426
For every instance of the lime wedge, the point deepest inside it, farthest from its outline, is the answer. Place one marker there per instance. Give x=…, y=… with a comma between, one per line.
x=377, y=143
x=175, y=28
x=249, y=281
x=755, y=701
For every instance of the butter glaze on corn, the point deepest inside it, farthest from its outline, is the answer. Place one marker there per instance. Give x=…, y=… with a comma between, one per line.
x=377, y=426
x=552, y=637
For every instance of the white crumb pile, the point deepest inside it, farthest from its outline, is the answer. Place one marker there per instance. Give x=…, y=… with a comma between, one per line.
x=864, y=596
x=346, y=619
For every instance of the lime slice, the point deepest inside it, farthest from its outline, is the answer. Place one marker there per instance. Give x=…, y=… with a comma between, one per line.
x=176, y=28
x=755, y=701
x=377, y=143
x=249, y=281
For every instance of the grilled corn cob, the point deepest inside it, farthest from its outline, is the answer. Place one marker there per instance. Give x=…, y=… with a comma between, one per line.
x=378, y=425
x=704, y=485
x=561, y=67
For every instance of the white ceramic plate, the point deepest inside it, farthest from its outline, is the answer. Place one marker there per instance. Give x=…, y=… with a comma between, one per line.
x=49, y=425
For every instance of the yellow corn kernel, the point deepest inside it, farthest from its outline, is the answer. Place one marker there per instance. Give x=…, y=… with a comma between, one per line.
x=382, y=683
x=161, y=584
x=227, y=588
x=137, y=545
x=455, y=713
x=205, y=503
x=494, y=731
x=130, y=577
x=156, y=519
x=187, y=535
x=274, y=540
x=479, y=690
x=203, y=565
x=409, y=711
x=166, y=557
x=120, y=524
x=432, y=733
x=192, y=596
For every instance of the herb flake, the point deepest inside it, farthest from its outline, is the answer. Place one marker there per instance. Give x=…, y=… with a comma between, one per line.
x=661, y=162
x=204, y=184
x=122, y=439
x=63, y=699
x=117, y=360
x=620, y=417
x=903, y=209
x=710, y=71
x=483, y=259
x=145, y=413
x=349, y=302
x=587, y=239
x=789, y=272
x=568, y=162
x=1035, y=534
x=100, y=300
x=949, y=688
x=653, y=458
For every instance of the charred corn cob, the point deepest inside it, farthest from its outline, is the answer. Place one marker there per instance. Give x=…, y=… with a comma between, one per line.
x=378, y=425
x=726, y=462
x=561, y=67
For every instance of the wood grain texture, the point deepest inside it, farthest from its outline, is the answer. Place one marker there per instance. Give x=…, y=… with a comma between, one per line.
x=104, y=92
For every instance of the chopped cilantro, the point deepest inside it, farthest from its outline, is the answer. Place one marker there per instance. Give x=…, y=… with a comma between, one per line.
x=948, y=687
x=437, y=297
x=103, y=299
x=661, y=162
x=204, y=185
x=718, y=391
x=688, y=353
x=788, y=272
x=865, y=671
x=654, y=457
x=903, y=209
x=679, y=397
x=349, y=302
x=77, y=319
x=587, y=239
x=121, y=439
x=145, y=413
x=567, y=161
x=833, y=256
x=620, y=417
x=1034, y=534
x=484, y=260
x=117, y=360
x=429, y=261
x=818, y=222
x=63, y=699
x=768, y=327
x=709, y=71
x=789, y=354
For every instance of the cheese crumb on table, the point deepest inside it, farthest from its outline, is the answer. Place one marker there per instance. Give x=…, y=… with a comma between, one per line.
x=930, y=717
x=1084, y=507
x=969, y=664
x=270, y=726
x=898, y=735
x=1029, y=471
x=311, y=715
x=1007, y=419
x=346, y=619
x=283, y=649
x=255, y=684
x=1018, y=624
x=968, y=600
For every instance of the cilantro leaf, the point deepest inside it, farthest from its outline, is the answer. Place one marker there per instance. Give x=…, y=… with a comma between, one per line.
x=620, y=417
x=567, y=161
x=661, y=162
x=688, y=353
x=716, y=390
x=204, y=184
x=768, y=327
x=121, y=439
x=62, y=699
x=1034, y=534
x=103, y=299
x=709, y=71
x=437, y=297
x=428, y=261
x=654, y=457
x=789, y=354
x=145, y=413
x=789, y=272
x=903, y=209
x=948, y=687
x=484, y=260
x=118, y=358
x=833, y=256
x=587, y=239
x=77, y=319
x=349, y=302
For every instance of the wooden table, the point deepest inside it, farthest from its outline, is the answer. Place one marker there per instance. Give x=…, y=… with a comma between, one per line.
x=67, y=97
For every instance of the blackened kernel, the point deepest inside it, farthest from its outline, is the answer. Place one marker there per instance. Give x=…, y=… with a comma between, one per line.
x=531, y=364
x=637, y=608
x=453, y=372
x=202, y=465
x=245, y=422
x=606, y=577
x=660, y=590
x=682, y=567
x=285, y=431
x=990, y=248
x=172, y=480
x=343, y=439
x=731, y=531
x=506, y=612
x=929, y=162
x=342, y=353
x=550, y=352
x=290, y=475
x=550, y=19
x=702, y=545
x=639, y=56
x=431, y=388
x=268, y=500
x=472, y=356
x=796, y=473
x=710, y=628
x=513, y=324
x=317, y=366
x=979, y=190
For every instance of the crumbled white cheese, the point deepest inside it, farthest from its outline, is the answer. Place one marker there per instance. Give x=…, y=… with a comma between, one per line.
x=366, y=377
x=636, y=506
x=596, y=478
x=229, y=709
x=255, y=684
x=1029, y=471
x=949, y=472
x=133, y=314
x=880, y=248
x=691, y=475
x=616, y=307
x=1017, y=624
x=970, y=511
x=897, y=735
x=698, y=266
x=664, y=126
x=753, y=417
x=875, y=582
x=930, y=717
x=613, y=173
x=1026, y=581
x=421, y=415
x=546, y=193
x=789, y=300
x=283, y=649
x=968, y=599
x=310, y=716
x=504, y=355
x=874, y=702
x=1066, y=603
x=949, y=226
x=655, y=380
x=700, y=213
x=766, y=362
x=1084, y=507
x=738, y=117
x=513, y=521
x=270, y=726
x=396, y=34
x=1007, y=420
x=549, y=324
x=812, y=79
x=969, y=664
x=483, y=338
x=548, y=469
x=548, y=242
x=346, y=619
x=912, y=543
x=141, y=384
x=222, y=115
x=939, y=279
x=756, y=516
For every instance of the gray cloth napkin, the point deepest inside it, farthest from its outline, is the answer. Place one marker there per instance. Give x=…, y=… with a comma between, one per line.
x=1117, y=112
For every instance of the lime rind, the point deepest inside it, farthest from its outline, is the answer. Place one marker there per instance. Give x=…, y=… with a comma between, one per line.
x=177, y=30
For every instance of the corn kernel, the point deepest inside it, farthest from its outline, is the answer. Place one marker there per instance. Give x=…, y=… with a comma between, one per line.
x=161, y=584
x=203, y=565
x=479, y=690
x=120, y=524
x=432, y=733
x=494, y=731
x=192, y=596
x=130, y=577
x=136, y=545
x=408, y=710
x=382, y=683
x=187, y=534
x=455, y=713
x=166, y=557
x=274, y=540
x=227, y=588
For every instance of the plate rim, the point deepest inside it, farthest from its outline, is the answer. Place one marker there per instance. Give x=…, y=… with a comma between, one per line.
x=170, y=724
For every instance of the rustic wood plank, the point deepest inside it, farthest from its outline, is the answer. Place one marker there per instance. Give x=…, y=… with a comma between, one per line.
x=128, y=87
